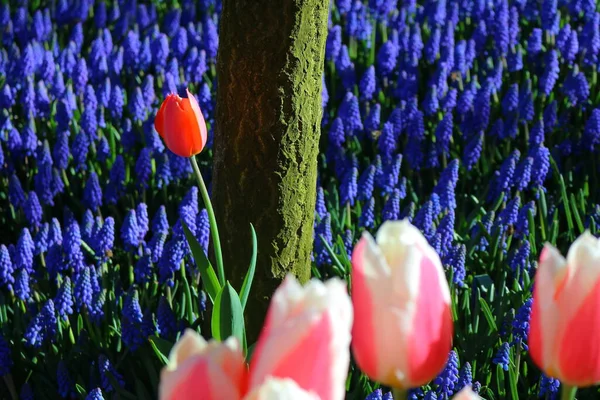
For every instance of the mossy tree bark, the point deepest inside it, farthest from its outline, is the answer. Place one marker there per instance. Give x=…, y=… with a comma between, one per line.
x=268, y=117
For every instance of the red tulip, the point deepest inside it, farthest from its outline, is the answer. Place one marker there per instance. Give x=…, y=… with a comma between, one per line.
x=402, y=329
x=565, y=316
x=181, y=125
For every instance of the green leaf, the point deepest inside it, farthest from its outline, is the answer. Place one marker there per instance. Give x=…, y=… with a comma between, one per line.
x=578, y=220
x=245, y=343
x=113, y=138
x=245, y=291
x=498, y=203
x=555, y=227
x=209, y=277
x=250, y=351
x=500, y=380
x=215, y=326
x=116, y=385
x=487, y=313
x=340, y=270
x=564, y=197
x=532, y=231
x=150, y=367
x=543, y=214
x=79, y=323
x=228, y=317
x=80, y=389
x=512, y=381
x=161, y=347
x=187, y=295
x=141, y=391
x=343, y=256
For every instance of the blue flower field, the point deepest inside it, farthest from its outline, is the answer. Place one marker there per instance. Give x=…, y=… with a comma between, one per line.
x=477, y=120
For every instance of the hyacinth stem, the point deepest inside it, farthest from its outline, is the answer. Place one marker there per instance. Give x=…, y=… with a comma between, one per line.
x=348, y=216
x=568, y=392
x=399, y=394
x=212, y=220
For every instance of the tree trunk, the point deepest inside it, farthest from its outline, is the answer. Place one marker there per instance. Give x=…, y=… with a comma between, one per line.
x=270, y=63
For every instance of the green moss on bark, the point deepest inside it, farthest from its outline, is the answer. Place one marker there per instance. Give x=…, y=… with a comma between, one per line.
x=268, y=116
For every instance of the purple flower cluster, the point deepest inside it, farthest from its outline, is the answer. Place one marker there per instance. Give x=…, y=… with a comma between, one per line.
x=80, y=83
x=454, y=115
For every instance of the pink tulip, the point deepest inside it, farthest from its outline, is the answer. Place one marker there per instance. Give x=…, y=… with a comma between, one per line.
x=306, y=337
x=565, y=317
x=280, y=389
x=201, y=370
x=402, y=329
x=302, y=353
x=466, y=394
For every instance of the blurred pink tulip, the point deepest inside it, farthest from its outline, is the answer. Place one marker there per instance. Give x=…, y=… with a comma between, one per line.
x=565, y=317
x=306, y=337
x=303, y=352
x=201, y=370
x=280, y=389
x=402, y=329
x=466, y=394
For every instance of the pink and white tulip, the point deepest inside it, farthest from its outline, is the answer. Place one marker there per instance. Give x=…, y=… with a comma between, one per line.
x=402, y=330
x=280, y=389
x=306, y=337
x=466, y=394
x=203, y=370
x=565, y=317
x=303, y=352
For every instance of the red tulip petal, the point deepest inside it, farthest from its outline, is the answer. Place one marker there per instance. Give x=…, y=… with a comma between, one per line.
x=159, y=120
x=195, y=136
x=545, y=321
x=431, y=336
x=308, y=364
x=180, y=128
x=534, y=338
x=579, y=356
x=194, y=385
x=201, y=370
x=199, y=118
x=306, y=338
x=201, y=378
x=363, y=339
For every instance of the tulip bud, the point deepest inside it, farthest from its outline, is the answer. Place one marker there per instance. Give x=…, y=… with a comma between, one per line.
x=306, y=337
x=201, y=370
x=181, y=125
x=565, y=316
x=402, y=331
x=280, y=389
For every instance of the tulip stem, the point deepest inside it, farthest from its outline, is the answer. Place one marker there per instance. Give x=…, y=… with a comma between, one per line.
x=212, y=220
x=568, y=392
x=399, y=394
